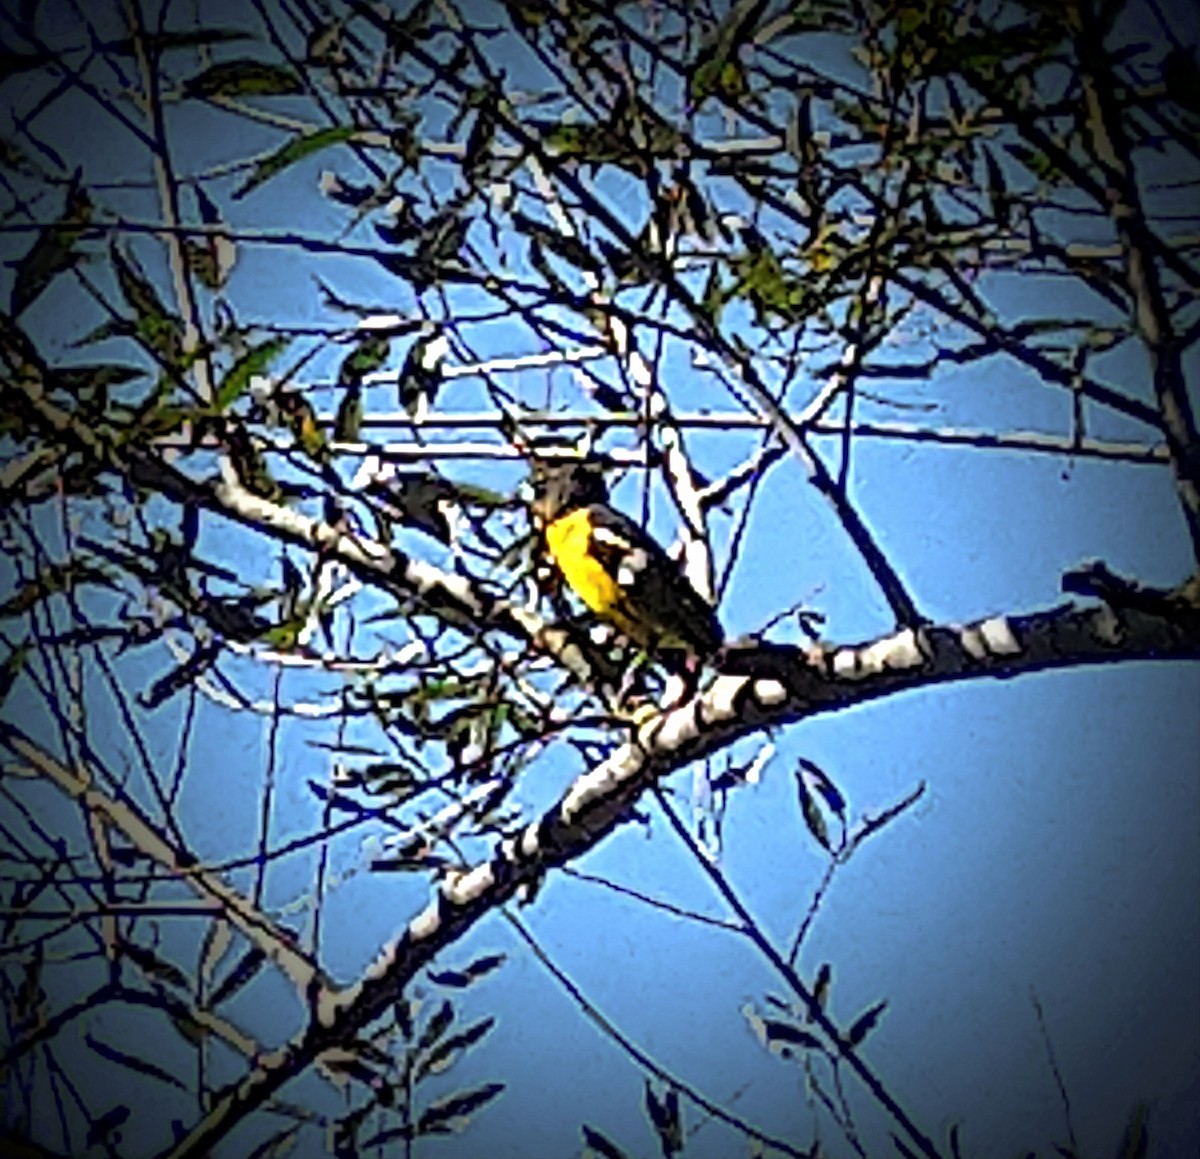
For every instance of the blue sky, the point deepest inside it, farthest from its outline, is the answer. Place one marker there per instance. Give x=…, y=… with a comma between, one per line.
x=1053, y=853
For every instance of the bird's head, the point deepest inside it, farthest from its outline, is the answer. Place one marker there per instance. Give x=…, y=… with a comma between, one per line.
x=560, y=487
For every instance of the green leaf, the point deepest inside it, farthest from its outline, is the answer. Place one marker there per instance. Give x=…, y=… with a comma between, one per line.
x=569, y=248
x=296, y=149
x=255, y=361
x=156, y=327
x=13, y=158
x=813, y=817
x=369, y=354
x=427, y=502
x=239, y=78
x=102, y=332
x=1135, y=1142
x=347, y=423
x=11, y=669
x=1037, y=162
x=54, y=250
x=191, y=1028
x=477, y=151
x=716, y=68
x=249, y=464
x=300, y=418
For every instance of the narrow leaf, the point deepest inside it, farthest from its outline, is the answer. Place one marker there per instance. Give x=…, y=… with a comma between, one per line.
x=199, y=662
x=784, y=1034
x=254, y=362
x=296, y=149
x=457, y=979
x=132, y=1062
x=150, y=963
x=54, y=250
x=369, y=354
x=438, y=1118
x=13, y=663
x=665, y=1117
x=217, y=939
x=248, y=965
x=278, y=1145
x=347, y=423
x=107, y=1123
x=239, y=78
x=600, y=1146
x=447, y=1052
x=437, y=1025
x=822, y=983
x=865, y=1023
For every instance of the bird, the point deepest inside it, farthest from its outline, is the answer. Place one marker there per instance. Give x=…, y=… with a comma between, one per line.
x=618, y=570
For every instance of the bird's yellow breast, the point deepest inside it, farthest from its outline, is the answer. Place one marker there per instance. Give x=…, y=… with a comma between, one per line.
x=569, y=541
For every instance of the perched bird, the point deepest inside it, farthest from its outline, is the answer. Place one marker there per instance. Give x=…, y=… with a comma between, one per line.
x=618, y=570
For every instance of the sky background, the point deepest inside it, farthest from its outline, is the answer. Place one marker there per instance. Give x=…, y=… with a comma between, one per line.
x=1055, y=851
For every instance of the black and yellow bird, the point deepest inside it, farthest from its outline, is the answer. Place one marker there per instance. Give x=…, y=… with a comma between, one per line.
x=618, y=570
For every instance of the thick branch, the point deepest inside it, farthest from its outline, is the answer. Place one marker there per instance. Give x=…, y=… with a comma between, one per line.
x=454, y=598
x=1112, y=149
x=146, y=837
x=786, y=685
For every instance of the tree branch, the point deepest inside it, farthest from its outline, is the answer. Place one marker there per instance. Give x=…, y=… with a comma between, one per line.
x=791, y=685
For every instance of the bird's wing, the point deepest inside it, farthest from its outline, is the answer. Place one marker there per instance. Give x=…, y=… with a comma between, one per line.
x=655, y=588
